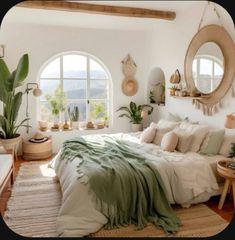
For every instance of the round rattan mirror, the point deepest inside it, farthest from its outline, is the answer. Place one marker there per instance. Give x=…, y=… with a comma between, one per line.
x=217, y=35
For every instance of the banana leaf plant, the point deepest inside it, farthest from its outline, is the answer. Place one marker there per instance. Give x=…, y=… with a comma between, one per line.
x=10, y=98
x=133, y=112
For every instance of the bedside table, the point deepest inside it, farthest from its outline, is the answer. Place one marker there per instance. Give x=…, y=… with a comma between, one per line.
x=37, y=151
x=229, y=175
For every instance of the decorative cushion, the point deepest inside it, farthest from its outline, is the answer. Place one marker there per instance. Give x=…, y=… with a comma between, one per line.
x=212, y=143
x=198, y=133
x=148, y=135
x=227, y=145
x=184, y=140
x=169, y=142
x=163, y=126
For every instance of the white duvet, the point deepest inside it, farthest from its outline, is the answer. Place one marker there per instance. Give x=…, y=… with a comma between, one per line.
x=188, y=179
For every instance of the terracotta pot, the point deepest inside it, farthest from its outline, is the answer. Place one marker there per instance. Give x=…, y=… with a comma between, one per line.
x=137, y=127
x=11, y=143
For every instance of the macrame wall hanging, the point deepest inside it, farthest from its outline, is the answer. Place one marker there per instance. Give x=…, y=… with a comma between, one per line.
x=129, y=84
x=211, y=103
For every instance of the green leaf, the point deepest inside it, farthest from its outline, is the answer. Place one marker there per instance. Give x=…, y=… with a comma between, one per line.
x=133, y=107
x=22, y=69
x=10, y=82
x=4, y=74
x=124, y=109
x=124, y=115
x=16, y=104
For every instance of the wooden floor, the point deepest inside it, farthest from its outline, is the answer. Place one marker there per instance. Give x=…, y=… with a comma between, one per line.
x=226, y=212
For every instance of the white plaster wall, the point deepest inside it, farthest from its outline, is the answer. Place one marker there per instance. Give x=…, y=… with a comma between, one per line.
x=169, y=42
x=42, y=42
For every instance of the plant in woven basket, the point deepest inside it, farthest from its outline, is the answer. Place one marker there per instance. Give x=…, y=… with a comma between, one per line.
x=74, y=116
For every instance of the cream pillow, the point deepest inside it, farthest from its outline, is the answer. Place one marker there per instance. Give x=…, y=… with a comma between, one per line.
x=148, y=135
x=227, y=145
x=184, y=140
x=169, y=142
x=198, y=133
x=163, y=126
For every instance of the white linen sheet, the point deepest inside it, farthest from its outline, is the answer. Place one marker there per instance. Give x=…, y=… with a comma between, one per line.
x=188, y=179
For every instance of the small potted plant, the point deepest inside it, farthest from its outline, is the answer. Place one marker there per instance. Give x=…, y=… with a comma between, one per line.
x=133, y=112
x=232, y=152
x=74, y=117
x=57, y=105
x=173, y=90
x=151, y=97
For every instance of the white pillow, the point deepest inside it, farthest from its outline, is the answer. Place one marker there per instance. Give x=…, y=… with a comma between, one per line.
x=227, y=145
x=198, y=133
x=163, y=126
x=148, y=135
x=169, y=142
x=184, y=140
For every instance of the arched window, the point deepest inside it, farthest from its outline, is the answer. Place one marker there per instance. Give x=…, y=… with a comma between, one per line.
x=83, y=80
x=207, y=72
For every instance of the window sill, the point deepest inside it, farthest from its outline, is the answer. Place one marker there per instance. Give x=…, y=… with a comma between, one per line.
x=75, y=130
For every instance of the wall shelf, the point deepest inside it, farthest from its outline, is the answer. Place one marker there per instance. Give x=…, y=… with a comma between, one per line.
x=189, y=97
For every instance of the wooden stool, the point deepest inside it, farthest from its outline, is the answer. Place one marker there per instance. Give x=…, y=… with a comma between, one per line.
x=229, y=175
x=37, y=151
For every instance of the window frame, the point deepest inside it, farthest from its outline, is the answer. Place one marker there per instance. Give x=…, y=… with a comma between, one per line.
x=213, y=60
x=109, y=89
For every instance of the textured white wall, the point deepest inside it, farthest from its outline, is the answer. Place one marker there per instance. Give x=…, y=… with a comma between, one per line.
x=169, y=42
x=110, y=46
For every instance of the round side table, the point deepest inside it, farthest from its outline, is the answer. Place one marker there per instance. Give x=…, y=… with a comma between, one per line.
x=229, y=175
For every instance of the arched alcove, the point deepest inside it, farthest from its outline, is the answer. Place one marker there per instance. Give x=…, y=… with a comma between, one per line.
x=156, y=86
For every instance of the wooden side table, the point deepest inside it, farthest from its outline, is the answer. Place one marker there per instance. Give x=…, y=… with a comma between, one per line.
x=229, y=175
x=37, y=151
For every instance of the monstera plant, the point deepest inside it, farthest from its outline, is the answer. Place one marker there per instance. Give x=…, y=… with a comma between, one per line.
x=12, y=99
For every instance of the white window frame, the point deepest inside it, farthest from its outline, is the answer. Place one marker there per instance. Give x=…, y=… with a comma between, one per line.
x=108, y=100
x=214, y=60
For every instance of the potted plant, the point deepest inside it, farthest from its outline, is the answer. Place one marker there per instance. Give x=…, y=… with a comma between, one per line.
x=173, y=90
x=151, y=97
x=57, y=105
x=12, y=99
x=232, y=153
x=74, y=116
x=133, y=112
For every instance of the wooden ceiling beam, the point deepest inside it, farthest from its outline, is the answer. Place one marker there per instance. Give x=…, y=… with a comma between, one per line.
x=98, y=9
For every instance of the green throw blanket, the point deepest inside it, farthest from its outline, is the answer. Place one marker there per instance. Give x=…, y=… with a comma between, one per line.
x=128, y=187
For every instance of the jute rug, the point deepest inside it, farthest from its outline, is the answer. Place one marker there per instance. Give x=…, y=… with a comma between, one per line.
x=36, y=197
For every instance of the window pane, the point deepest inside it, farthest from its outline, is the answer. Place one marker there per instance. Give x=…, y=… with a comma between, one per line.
x=75, y=89
x=46, y=112
x=52, y=70
x=98, y=110
x=74, y=66
x=218, y=71
x=48, y=87
x=205, y=67
x=98, y=89
x=82, y=109
x=97, y=71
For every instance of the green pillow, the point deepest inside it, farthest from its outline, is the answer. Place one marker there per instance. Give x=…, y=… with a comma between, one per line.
x=212, y=143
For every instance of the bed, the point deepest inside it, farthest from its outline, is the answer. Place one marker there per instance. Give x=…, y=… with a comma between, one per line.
x=189, y=178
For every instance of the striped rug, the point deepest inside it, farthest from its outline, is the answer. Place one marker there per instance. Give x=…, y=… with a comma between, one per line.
x=36, y=197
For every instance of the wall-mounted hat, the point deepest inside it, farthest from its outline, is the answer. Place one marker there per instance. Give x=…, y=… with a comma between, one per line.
x=129, y=87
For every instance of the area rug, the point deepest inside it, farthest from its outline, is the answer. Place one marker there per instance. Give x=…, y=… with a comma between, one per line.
x=36, y=198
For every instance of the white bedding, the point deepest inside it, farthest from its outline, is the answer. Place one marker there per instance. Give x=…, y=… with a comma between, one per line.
x=188, y=179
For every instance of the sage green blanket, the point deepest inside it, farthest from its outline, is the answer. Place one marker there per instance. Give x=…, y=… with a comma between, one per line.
x=128, y=188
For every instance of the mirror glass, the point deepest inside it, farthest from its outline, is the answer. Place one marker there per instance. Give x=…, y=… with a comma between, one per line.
x=208, y=67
